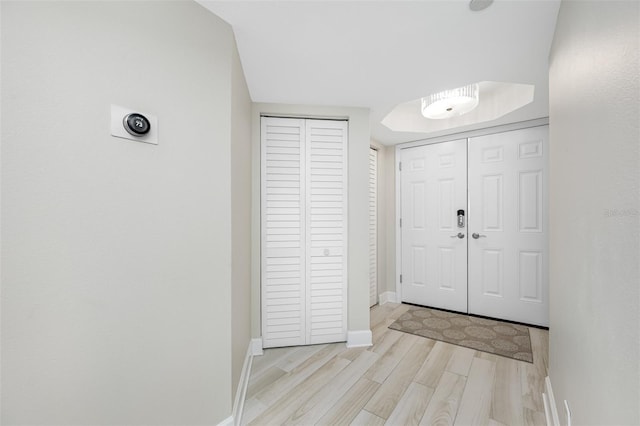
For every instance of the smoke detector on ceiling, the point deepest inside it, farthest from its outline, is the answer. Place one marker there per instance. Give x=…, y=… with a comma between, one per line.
x=478, y=5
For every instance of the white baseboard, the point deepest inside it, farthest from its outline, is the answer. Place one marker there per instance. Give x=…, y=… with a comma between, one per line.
x=550, y=408
x=227, y=422
x=359, y=338
x=256, y=346
x=387, y=296
x=243, y=385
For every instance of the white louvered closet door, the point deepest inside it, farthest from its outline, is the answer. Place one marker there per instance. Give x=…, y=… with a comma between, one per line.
x=373, y=226
x=326, y=231
x=304, y=231
x=283, y=237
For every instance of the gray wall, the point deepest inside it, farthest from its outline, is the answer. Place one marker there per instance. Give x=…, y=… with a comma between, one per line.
x=240, y=218
x=594, y=212
x=116, y=255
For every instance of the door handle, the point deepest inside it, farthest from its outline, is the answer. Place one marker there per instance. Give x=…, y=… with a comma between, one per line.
x=475, y=236
x=458, y=235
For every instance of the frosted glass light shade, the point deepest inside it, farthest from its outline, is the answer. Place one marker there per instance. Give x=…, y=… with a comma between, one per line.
x=451, y=103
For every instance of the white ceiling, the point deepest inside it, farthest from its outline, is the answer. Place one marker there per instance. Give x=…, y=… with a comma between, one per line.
x=378, y=54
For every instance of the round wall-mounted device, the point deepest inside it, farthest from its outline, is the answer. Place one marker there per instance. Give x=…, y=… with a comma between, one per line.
x=136, y=124
x=478, y=5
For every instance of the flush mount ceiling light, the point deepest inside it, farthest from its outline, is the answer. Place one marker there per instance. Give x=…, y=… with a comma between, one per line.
x=451, y=103
x=498, y=100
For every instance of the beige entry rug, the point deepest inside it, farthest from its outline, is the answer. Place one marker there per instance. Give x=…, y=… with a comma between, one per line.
x=487, y=335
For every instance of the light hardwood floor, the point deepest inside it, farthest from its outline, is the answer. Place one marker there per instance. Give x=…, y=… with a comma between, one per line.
x=401, y=380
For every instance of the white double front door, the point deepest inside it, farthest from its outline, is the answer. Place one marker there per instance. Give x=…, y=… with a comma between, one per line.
x=474, y=225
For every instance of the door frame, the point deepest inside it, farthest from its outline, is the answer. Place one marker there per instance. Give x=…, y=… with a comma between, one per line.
x=398, y=184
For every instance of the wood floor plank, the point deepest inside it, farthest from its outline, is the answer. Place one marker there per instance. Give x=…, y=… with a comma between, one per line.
x=259, y=382
x=534, y=418
x=384, y=340
x=316, y=406
x=460, y=361
x=444, y=403
x=365, y=418
x=398, y=311
x=271, y=393
x=412, y=405
x=506, y=405
x=352, y=353
x=390, y=359
x=345, y=410
x=438, y=359
x=475, y=404
x=383, y=402
x=532, y=381
x=268, y=359
x=540, y=348
x=294, y=358
x=252, y=409
x=381, y=313
x=381, y=330
x=278, y=412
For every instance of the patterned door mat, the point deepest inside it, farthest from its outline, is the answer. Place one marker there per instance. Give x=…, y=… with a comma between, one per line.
x=487, y=335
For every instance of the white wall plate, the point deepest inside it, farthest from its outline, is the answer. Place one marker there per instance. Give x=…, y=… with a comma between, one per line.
x=118, y=114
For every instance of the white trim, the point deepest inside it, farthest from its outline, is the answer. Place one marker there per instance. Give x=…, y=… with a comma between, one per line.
x=256, y=346
x=550, y=408
x=227, y=422
x=307, y=116
x=547, y=415
x=479, y=132
x=567, y=412
x=359, y=338
x=243, y=385
x=387, y=296
x=398, y=201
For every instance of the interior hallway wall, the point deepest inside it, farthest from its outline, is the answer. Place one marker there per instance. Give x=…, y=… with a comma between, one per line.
x=116, y=255
x=240, y=218
x=594, y=212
